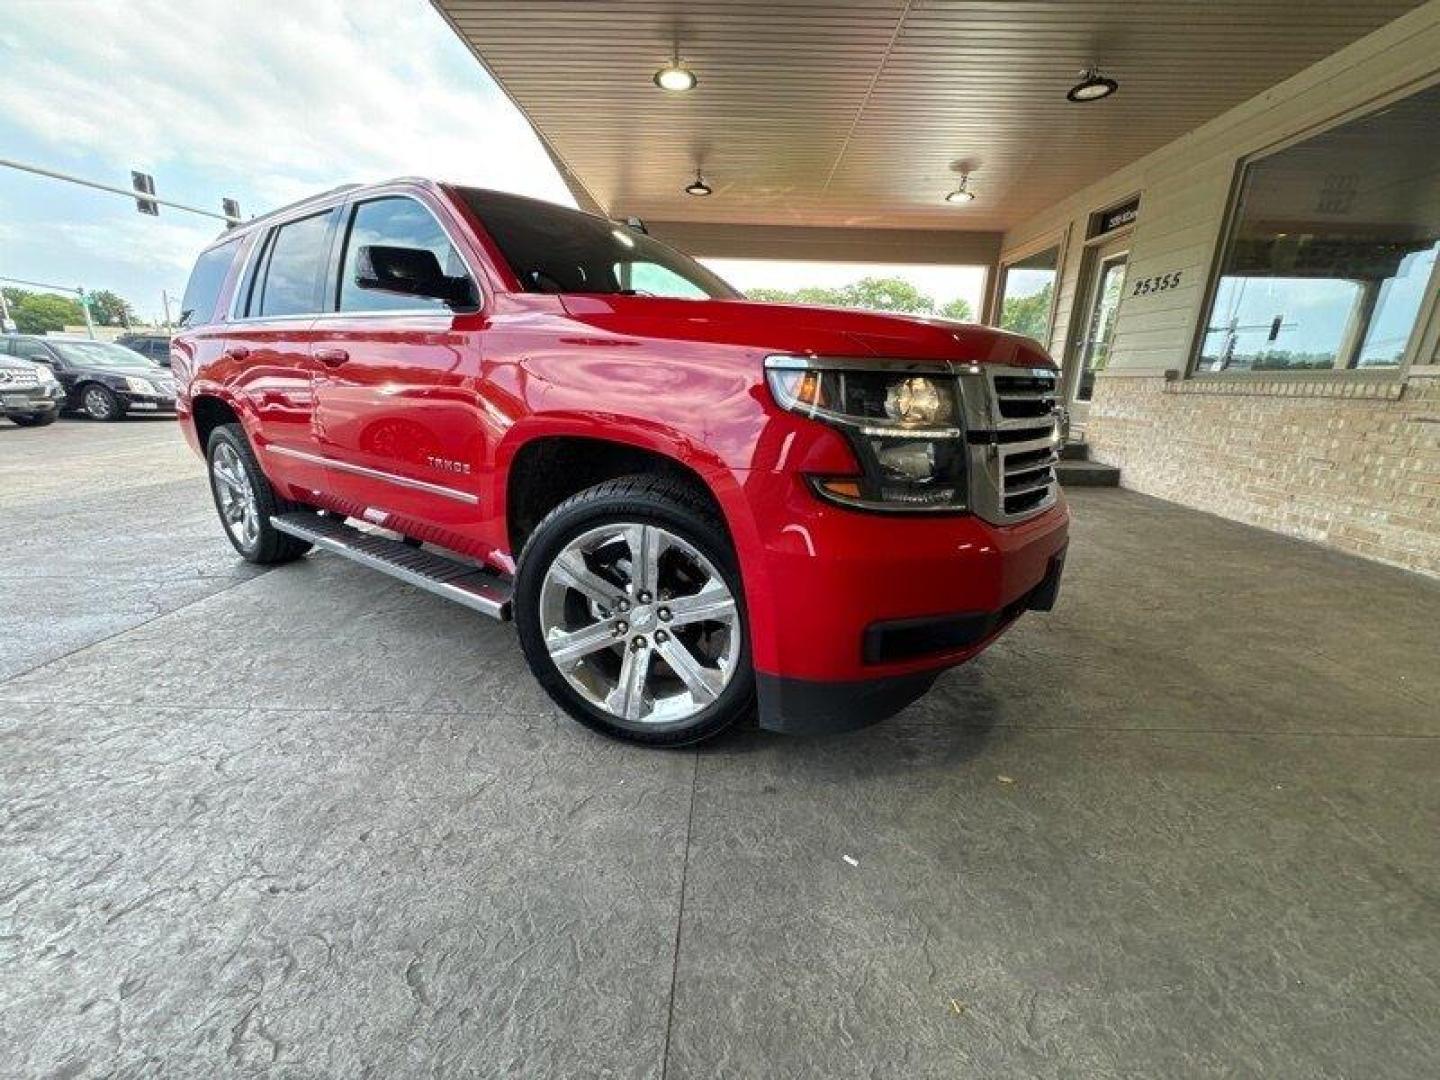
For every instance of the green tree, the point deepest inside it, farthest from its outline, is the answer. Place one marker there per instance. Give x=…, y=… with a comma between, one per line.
x=886, y=294
x=41, y=313
x=870, y=293
x=958, y=309
x=771, y=296
x=108, y=309
x=810, y=294
x=1028, y=315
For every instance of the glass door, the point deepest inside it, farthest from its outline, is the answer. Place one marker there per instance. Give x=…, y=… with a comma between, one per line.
x=1106, y=284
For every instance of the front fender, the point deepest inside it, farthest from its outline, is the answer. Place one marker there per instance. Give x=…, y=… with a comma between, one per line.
x=726, y=484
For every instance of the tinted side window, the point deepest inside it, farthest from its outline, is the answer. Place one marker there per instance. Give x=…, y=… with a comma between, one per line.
x=206, y=280
x=394, y=222
x=294, y=268
x=31, y=350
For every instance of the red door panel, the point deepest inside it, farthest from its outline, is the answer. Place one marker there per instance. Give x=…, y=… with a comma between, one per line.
x=275, y=377
x=398, y=410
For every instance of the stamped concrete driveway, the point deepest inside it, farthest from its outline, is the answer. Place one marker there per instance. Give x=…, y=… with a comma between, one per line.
x=310, y=822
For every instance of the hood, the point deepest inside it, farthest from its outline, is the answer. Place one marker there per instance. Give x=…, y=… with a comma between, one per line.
x=798, y=328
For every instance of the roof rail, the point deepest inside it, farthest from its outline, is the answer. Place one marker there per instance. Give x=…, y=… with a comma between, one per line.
x=288, y=207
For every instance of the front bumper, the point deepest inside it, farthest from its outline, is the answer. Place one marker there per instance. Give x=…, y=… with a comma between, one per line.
x=854, y=614
x=806, y=707
x=30, y=401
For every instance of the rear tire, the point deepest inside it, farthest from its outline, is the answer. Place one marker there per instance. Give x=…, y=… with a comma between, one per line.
x=245, y=500
x=635, y=669
x=100, y=403
x=36, y=421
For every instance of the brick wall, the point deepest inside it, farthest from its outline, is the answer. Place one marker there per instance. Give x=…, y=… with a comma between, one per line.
x=1353, y=464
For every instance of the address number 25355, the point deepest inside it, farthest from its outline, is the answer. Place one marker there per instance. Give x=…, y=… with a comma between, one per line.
x=1158, y=283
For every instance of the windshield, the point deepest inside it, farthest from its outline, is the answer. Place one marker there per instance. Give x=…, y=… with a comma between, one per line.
x=100, y=352
x=556, y=250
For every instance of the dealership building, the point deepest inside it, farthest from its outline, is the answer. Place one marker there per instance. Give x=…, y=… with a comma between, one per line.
x=1230, y=237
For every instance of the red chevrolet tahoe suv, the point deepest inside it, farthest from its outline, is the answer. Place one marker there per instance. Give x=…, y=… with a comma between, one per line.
x=691, y=505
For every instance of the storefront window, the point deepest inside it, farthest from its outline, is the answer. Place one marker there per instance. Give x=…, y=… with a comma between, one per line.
x=1332, y=248
x=1027, y=294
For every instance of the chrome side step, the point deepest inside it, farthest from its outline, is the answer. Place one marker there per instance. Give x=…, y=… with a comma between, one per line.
x=481, y=590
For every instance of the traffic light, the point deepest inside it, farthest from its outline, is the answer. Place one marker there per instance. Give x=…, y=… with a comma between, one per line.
x=231, y=209
x=144, y=183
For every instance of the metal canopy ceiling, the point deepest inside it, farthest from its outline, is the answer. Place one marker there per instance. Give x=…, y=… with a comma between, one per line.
x=841, y=113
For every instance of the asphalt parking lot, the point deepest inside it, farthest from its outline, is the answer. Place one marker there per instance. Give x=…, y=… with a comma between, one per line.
x=313, y=822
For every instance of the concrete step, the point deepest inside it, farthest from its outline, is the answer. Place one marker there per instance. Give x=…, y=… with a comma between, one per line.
x=1087, y=474
x=1075, y=450
x=476, y=588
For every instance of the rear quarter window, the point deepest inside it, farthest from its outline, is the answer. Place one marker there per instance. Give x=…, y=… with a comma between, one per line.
x=202, y=292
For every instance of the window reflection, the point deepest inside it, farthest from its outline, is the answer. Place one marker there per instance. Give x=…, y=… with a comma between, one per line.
x=1332, y=251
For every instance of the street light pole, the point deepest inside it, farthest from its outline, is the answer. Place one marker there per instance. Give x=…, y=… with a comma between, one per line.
x=85, y=307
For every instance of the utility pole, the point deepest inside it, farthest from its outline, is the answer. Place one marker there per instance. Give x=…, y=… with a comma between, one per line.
x=165, y=303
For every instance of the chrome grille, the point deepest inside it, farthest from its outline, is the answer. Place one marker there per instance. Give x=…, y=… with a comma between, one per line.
x=1021, y=397
x=1012, y=425
x=15, y=376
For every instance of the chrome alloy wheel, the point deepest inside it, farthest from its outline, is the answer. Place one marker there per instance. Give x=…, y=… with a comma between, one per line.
x=640, y=623
x=98, y=403
x=236, y=496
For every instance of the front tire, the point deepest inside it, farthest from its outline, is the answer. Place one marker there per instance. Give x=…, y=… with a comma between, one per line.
x=629, y=606
x=245, y=500
x=100, y=403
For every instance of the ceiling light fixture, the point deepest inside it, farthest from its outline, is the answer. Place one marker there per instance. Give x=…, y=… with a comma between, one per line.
x=675, y=76
x=1092, y=86
x=961, y=194
x=698, y=187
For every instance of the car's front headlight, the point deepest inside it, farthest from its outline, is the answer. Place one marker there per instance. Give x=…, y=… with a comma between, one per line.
x=141, y=386
x=44, y=374
x=904, y=422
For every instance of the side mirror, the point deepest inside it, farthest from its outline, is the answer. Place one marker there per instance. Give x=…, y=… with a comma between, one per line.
x=410, y=272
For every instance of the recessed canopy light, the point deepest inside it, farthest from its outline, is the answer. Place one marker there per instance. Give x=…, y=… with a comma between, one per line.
x=1092, y=86
x=961, y=194
x=675, y=77
x=698, y=187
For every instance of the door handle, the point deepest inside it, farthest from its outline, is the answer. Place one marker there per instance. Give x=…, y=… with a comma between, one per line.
x=331, y=357
x=236, y=352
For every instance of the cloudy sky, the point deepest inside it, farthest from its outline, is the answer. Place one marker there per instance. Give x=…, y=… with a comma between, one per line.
x=264, y=102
